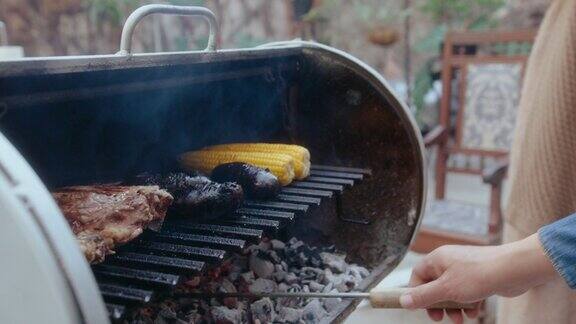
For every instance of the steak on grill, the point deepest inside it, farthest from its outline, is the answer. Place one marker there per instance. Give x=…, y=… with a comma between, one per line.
x=103, y=216
x=195, y=195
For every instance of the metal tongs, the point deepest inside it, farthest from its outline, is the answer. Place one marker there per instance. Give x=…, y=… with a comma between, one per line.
x=386, y=298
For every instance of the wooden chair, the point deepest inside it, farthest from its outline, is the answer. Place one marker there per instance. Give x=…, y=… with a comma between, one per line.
x=481, y=81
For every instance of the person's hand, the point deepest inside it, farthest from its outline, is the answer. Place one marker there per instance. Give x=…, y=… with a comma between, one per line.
x=469, y=274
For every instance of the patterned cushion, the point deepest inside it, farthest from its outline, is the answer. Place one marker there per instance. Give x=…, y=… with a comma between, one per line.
x=490, y=102
x=457, y=217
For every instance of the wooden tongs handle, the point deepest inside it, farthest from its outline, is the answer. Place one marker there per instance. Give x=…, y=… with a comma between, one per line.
x=390, y=298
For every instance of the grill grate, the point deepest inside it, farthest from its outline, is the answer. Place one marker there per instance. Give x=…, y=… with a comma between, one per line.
x=156, y=260
x=150, y=278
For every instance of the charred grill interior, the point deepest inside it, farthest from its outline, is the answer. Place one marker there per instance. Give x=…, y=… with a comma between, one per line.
x=78, y=123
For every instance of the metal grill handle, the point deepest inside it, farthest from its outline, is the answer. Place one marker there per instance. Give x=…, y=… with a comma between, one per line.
x=140, y=13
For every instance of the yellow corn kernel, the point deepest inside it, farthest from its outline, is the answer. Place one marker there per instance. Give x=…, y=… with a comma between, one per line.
x=281, y=165
x=300, y=154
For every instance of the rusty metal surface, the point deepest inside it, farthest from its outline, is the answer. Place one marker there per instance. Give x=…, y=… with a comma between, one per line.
x=347, y=116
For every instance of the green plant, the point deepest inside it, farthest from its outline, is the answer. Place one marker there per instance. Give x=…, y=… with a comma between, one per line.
x=115, y=11
x=448, y=14
x=111, y=11
x=460, y=12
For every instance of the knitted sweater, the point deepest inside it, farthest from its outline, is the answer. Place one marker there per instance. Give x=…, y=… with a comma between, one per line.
x=543, y=158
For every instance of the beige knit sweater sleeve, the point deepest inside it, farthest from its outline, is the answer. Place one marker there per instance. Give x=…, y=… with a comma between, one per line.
x=543, y=162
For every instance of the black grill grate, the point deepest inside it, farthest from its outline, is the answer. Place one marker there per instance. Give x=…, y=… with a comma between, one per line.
x=155, y=261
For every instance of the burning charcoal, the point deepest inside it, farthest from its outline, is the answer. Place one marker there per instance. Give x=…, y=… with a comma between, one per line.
x=353, y=272
x=312, y=270
x=313, y=312
x=230, y=302
x=293, y=241
x=261, y=285
x=279, y=275
x=283, y=287
x=192, y=282
x=284, y=265
x=297, y=245
x=331, y=303
x=290, y=301
x=239, y=262
x=295, y=288
x=309, y=274
x=273, y=256
x=363, y=271
x=262, y=268
x=301, y=259
x=224, y=315
x=335, y=262
x=227, y=287
x=193, y=317
x=328, y=287
x=237, y=266
x=326, y=277
x=263, y=310
x=346, y=284
x=277, y=245
x=233, y=276
x=305, y=288
x=315, y=261
x=167, y=313
x=288, y=315
x=248, y=277
x=291, y=278
x=315, y=287
x=263, y=246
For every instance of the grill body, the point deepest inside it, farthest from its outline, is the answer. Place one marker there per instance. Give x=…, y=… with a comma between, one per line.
x=97, y=119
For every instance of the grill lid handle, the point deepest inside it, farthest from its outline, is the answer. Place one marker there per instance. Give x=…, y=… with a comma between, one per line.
x=140, y=13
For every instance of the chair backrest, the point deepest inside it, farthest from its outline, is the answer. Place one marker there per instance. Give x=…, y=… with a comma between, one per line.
x=481, y=82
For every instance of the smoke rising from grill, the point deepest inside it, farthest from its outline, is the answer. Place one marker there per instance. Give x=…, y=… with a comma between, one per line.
x=104, y=126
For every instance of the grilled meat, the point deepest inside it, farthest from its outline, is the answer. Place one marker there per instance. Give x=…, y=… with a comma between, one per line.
x=256, y=182
x=104, y=216
x=195, y=195
x=282, y=165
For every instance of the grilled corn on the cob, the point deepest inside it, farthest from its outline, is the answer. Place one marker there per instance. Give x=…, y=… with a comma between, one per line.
x=300, y=154
x=281, y=165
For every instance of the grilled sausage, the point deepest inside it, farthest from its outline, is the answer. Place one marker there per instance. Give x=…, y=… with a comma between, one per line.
x=256, y=182
x=197, y=196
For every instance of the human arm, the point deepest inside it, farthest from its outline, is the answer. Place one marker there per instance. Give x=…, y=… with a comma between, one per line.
x=471, y=273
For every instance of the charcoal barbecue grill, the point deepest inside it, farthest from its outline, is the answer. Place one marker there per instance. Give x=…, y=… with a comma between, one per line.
x=97, y=119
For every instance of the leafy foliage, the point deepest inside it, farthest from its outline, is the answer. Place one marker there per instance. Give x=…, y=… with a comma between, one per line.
x=457, y=12
x=449, y=14
x=115, y=11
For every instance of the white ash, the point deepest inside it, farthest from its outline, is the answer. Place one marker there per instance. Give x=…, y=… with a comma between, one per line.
x=262, y=285
x=263, y=268
x=223, y=314
x=269, y=266
x=289, y=315
x=263, y=310
x=331, y=303
x=277, y=245
x=313, y=312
